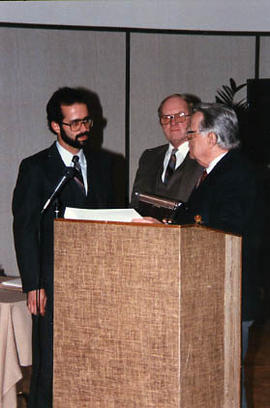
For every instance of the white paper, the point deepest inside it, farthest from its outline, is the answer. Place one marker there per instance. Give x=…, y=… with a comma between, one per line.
x=120, y=215
x=16, y=283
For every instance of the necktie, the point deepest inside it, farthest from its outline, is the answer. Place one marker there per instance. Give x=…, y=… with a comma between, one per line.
x=78, y=176
x=171, y=166
x=202, y=178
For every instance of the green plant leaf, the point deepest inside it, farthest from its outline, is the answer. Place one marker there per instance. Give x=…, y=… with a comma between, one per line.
x=242, y=105
x=225, y=98
x=218, y=100
x=240, y=87
x=233, y=84
x=228, y=90
x=227, y=93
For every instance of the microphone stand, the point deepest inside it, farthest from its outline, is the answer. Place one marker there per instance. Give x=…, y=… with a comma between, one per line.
x=68, y=175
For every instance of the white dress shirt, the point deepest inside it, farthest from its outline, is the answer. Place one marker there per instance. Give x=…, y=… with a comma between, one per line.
x=66, y=156
x=180, y=154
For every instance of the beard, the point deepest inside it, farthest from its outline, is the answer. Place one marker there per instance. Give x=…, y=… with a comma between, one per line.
x=74, y=142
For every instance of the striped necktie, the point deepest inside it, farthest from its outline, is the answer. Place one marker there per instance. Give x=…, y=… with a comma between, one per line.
x=170, y=167
x=202, y=178
x=78, y=176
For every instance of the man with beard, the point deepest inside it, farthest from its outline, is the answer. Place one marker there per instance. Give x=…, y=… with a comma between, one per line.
x=69, y=117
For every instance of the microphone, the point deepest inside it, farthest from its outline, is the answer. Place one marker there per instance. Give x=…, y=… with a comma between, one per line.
x=69, y=174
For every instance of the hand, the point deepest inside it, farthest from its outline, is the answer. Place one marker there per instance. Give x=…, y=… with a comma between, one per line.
x=167, y=221
x=146, y=220
x=35, y=298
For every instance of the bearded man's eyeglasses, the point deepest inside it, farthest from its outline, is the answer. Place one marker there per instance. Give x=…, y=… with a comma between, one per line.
x=76, y=124
x=179, y=117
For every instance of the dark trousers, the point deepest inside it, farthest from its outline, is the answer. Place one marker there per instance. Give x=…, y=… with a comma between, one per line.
x=42, y=367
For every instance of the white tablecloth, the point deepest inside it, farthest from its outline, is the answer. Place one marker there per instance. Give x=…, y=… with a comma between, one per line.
x=15, y=343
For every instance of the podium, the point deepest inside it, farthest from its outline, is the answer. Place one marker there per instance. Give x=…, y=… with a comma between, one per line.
x=146, y=315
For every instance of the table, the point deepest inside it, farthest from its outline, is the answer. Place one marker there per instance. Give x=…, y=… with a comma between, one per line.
x=15, y=343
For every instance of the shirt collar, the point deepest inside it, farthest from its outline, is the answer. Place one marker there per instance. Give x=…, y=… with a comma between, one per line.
x=214, y=162
x=67, y=156
x=183, y=149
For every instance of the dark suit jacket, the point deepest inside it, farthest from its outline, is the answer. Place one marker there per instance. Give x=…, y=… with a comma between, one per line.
x=148, y=176
x=229, y=199
x=33, y=233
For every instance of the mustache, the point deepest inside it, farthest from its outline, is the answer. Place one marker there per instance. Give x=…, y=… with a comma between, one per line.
x=82, y=134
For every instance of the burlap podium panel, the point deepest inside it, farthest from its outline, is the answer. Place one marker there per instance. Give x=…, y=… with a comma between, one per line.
x=140, y=315
x=210, y=319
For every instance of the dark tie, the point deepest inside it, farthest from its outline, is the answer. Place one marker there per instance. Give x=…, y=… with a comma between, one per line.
x=171, y=166
x=202, y=178
x=78, y=176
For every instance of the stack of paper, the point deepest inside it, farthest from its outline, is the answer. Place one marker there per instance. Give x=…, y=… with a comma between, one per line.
x=120, y=215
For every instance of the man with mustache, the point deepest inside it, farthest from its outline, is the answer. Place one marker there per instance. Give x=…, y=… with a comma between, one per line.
x=70, y=118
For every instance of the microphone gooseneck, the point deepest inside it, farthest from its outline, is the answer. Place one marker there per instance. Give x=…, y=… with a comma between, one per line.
x=69, y=174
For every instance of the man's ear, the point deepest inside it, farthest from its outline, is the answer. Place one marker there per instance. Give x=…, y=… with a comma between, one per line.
x=212, y=137
x=55, y=127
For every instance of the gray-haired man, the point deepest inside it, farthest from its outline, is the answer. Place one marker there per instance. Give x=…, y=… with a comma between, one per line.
x=228, y=198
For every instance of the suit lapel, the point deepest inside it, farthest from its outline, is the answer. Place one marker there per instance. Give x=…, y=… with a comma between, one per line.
x=219, y=167
x=178, y=171
x=55, y=165
x=187, y=170
x=158, y=165
x=71, y=194
x=94, y=179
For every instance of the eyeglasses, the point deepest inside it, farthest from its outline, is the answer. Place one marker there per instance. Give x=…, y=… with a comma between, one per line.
x=190, y=133
x=179, y=117
x=76, y=124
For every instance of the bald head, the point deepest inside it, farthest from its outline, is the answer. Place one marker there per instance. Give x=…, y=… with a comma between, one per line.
x=174, y=114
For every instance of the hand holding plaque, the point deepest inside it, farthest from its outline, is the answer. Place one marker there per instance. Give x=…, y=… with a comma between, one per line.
x=157, y=207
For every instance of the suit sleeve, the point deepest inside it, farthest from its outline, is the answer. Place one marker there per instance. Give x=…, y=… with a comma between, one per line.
x=26, y=206
x=225, y=202
x=138, y=185
x=233, y=204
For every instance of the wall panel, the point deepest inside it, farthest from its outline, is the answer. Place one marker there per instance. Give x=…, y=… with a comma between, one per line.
x=265, y=57
x=34, y=63
x=162, y=64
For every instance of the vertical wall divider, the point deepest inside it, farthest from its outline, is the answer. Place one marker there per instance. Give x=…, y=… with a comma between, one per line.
x=257, y=55
x=127, y=113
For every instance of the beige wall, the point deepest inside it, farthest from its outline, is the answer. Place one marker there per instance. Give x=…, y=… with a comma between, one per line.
x=35, y=62
x=162, y=64
x=265, y=57
x=229, y=15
